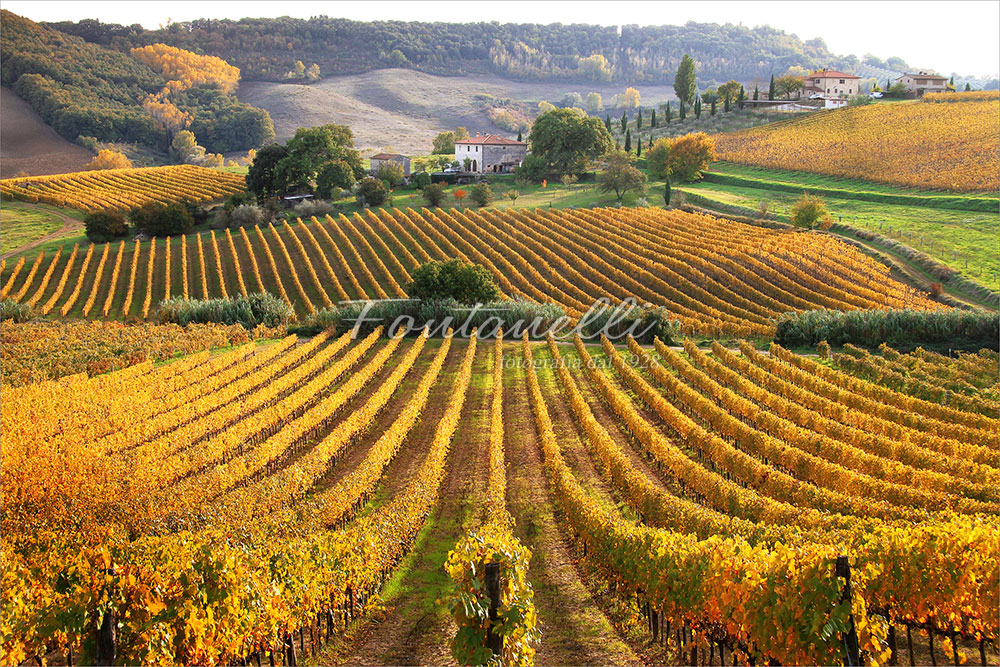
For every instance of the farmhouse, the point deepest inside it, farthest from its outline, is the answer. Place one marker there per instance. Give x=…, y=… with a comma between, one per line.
x=831, y=83
x=380, y=159
x=490, y=153
x=923, y=82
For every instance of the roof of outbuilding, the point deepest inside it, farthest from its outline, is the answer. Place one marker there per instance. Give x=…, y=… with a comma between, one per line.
x=831, y=74
x=385, y=156
x=491, y=139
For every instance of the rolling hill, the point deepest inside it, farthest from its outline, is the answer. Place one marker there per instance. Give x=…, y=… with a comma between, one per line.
x=402, y=110
x=28, y=145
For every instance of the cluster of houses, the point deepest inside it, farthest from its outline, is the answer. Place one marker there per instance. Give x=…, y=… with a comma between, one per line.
x=493, y=154
x=835, y=87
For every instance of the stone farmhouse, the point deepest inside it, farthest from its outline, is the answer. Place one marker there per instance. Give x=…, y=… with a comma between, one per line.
x=831, y=83
x=923, y=82
x=490, y=153
x=378, y=160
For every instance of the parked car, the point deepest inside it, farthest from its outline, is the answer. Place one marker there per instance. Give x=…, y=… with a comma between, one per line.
x=816, y=96
x=875, y=94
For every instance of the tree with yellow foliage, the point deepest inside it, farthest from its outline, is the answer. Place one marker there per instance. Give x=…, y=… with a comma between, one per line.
x=109, y=159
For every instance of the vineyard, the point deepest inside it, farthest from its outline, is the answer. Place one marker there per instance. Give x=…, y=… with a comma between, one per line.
x=250, y=505
x=715, y=277
x=124, y=188
x=926, y=144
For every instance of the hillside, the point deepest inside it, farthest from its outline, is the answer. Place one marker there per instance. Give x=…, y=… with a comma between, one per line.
x=268, y=49
x=403, y=110
x=945, y=146
x=28, y=145
x=84, y=89
x=716, y=278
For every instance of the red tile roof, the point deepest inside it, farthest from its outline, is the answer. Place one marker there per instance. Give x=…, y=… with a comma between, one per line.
x=385, y=156
x=831, y=74
x=921, y=75
x=492, y=140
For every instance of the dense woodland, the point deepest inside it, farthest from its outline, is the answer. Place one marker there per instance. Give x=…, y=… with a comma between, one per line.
x=269, y=48
x=85, y=90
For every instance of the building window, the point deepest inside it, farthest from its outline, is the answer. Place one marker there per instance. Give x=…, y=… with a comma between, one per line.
x=842, y=81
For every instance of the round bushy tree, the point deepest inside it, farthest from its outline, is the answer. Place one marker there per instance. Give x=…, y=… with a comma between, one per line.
x=453, y=279
x=104, y=226
x=482, y=194
x=372, y=191
x=159, y=219
x=434, y=194
x=334, y=174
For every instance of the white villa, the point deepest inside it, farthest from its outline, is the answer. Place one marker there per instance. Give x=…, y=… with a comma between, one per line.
x=490, y=153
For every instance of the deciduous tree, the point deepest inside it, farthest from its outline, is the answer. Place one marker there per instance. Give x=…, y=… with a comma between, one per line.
x=619, y=175
x=568, y=141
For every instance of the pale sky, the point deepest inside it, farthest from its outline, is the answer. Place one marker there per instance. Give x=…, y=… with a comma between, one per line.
x=957, y=36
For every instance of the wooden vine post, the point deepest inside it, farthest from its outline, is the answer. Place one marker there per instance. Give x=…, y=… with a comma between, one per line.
x=494, y=640
x=107, y=639
x=851, y=645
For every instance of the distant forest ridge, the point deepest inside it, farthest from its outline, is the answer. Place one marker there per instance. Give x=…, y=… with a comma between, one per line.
x=282, y=49
x=87, y=92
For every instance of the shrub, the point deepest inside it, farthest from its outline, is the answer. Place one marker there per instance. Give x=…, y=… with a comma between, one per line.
x=482, y=194
x=690, y=155
x=823, y=349
x=533, y=169
x=434, y=194
x=936, y=290
x=12, y=310
x=307, y=208
x=643, y=323
x=657, y=158
x=238, y=199
x=391, y=173
x=109, y=159
x=104, y=226
x=247, y=215
x=421, y=179
x=371, y=192
x=810, y=212
x=902, y=329
x=250, y=311
x=453, y=279
x=159, y=219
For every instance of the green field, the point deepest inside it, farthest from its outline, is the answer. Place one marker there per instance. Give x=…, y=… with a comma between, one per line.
x=20, y=223
x=964, y=240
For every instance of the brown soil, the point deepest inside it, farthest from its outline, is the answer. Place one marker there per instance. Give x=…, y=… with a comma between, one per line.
x=574, y=629
x=413, y=629
x=28, y=145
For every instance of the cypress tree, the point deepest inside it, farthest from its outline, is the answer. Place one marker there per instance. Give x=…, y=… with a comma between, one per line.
x=607, y=122
x=713, y=106
x=756, y=93
x=667, y=113
x=666, y=192
x=650, y=145
x=683, y=114
x=624, y=121
x=725, y=104
x=967, y=86
x=740, y=98
x=638, y=147
x=652, y=118
x=697, y=107
x=888, y=85
x=770, y=90
x=638, y=120
x=520, y=137
x=628, y=141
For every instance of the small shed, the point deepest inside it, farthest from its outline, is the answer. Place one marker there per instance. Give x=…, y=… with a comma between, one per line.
x=380, y=159
x=289, y=201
